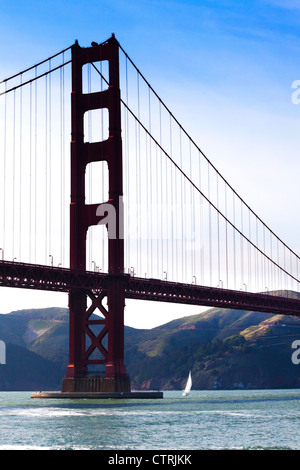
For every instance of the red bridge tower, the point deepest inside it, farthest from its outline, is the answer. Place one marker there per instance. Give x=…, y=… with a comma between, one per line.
x=82, y=216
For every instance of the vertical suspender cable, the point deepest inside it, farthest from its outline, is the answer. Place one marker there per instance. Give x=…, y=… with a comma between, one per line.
x=167, y=215
x=209, y=229
x=64, y=172
x=161, y=194
x=242, y=246
x=226, y=238
x=30, y=170
x=61, y=165
x=264, y=259
x=136, y=194
x=173, y=212
x=218, y=230
x=151, y=188
x=271, y=266
x=4, y=170
x=184, y=257
x=46, y=170
x=176, y=226
x=128, y=194
x=291, y=271
x=14, y=166
x=158, y=225
x=201, y=247
x=278, y=262
x=256, y=257
x=139, y=180
x=147, y=229
x=147, y=177
x=89, y=134
x=20, y=175
x=50, y=166
x=182, y=206
x=234, y=247
x=193, y=227
x=103, y=175
x=249, y=250
x=35, y=169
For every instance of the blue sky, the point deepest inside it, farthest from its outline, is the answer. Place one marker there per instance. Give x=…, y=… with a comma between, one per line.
x=224, y=68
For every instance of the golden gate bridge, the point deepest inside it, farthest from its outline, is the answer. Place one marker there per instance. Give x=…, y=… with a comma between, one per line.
x=105, y=196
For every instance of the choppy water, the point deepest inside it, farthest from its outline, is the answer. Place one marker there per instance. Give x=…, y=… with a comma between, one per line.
x=205, y=420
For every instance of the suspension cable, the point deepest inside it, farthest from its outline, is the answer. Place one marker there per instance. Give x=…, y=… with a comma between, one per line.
x=34, y=66
x=36, y=77
x=204, y=155
x=212, y=205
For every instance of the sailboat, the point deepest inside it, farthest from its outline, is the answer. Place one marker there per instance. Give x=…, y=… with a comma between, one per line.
x=188, y=386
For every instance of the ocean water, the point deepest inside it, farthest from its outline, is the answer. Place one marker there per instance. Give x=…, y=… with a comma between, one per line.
x=206, y=420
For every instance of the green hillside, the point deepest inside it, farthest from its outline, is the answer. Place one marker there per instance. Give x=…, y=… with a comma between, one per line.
x=225, y=349
x=36, y=349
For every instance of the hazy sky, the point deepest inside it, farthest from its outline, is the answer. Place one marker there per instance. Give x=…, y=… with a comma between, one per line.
x=224, y=68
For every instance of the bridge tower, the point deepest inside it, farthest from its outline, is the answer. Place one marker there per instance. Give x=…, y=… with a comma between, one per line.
x=108, y=341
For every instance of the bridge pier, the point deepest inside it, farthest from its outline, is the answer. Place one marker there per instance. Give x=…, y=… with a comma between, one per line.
x=97, y=395
x=96, y=384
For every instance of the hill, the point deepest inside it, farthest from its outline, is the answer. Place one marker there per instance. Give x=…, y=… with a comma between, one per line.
x=225, y=349
x=36, y=349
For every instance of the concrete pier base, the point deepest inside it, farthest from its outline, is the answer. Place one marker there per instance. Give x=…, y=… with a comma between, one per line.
x=96, y=384
x=97, y=387
x=98, y=395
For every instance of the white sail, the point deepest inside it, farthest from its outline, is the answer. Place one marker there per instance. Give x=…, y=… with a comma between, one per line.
x=188, y=386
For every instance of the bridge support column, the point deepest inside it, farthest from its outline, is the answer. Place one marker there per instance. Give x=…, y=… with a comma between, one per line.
x=108, y=342
x=115, y=370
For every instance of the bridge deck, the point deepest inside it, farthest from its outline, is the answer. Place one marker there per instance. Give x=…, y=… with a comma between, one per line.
x=30, y=276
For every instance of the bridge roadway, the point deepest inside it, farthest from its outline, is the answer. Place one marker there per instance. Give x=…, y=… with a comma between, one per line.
x=32, y=276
